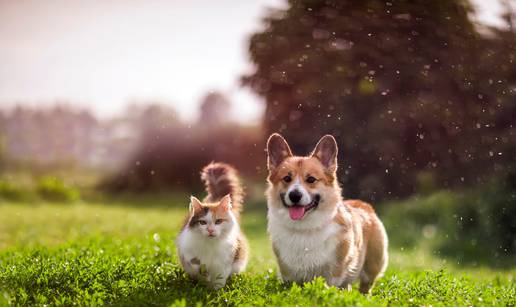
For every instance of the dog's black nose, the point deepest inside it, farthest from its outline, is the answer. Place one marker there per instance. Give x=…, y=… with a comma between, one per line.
x=295, y=196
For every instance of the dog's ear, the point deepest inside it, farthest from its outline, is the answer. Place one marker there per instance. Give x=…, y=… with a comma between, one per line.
x=277, y=151
x=326, y=151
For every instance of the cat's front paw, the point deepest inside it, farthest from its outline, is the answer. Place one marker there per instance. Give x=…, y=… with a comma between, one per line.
x=218, y=284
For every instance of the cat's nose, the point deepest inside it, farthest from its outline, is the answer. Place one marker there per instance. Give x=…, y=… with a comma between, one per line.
x=295, y=196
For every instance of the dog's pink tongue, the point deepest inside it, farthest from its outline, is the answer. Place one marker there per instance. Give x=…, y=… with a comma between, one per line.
x=296, y=212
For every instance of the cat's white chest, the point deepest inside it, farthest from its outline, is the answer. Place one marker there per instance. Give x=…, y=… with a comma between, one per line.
x=209, y=259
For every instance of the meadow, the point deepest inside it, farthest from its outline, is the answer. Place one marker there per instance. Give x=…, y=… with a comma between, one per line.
x=104, y=113
x=120, y=251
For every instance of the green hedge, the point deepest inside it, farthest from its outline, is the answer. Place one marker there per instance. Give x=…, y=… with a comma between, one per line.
x=54, y=189
x=472, y=226
x=10, y=191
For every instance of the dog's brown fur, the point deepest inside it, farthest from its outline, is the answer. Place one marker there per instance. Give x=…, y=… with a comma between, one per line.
x=360, y=241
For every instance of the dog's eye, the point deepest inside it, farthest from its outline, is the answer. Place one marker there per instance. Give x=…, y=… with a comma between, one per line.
x=287, y=178
x=311, y=179
x=219, y=221
x=202, y=222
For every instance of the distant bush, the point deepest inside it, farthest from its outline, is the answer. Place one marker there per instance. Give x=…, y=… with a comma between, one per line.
x=405, y=221
x=51, y=188
x=9, y=191
x=485, y=222
x=471, y=226
x=171, y=158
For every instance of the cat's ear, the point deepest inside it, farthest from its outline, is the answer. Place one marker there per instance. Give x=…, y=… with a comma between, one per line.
x=195, y=204
x=225, y=203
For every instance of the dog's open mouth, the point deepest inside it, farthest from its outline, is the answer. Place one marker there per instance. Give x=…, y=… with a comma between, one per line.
x=297, y=212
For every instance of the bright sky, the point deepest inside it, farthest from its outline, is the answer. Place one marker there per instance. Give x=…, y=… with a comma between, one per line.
x=105, y=55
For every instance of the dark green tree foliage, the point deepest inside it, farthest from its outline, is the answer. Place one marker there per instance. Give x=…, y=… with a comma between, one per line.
x=412, y=91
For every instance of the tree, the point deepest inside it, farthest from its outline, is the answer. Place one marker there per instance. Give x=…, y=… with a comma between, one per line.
x=215, y=108
x=397, y=82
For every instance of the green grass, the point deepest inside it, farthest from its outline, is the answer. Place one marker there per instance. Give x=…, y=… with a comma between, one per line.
x=121, y=252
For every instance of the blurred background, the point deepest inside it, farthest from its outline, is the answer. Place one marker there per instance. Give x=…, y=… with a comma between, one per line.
x=102, y=99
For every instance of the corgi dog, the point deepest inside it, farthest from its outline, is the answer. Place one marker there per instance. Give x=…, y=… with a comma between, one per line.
x=314, y=232
x=211, y=246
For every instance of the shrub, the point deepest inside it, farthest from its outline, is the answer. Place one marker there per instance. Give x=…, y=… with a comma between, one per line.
x=172, y=158
x=9, y=191
x=406, y=221
x=472, y=226
x=485, y=223
x=51, y=188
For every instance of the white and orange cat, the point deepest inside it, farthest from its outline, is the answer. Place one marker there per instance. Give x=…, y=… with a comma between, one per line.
x=314, y=231
x=211, y=246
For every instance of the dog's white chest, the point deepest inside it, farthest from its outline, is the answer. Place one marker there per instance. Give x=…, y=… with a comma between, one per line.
x=305, y=254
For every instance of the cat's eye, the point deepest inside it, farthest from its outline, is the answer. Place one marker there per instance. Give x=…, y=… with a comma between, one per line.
x=202, y=222
x=311, y=179
x=219, y=221
x=287, y=178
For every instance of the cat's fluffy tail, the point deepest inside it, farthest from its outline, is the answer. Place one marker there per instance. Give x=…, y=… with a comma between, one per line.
x=220, y=180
